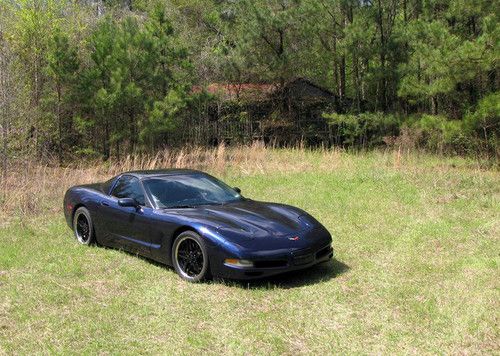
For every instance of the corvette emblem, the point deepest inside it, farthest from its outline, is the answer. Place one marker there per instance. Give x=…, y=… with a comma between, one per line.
x=295, y=238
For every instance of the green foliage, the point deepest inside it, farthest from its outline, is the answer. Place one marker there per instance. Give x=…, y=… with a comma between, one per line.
x=428, y=72
x=441, y=60
x=62, y=67
x=163, y=116
x=437, y=132
x=484, y=122
x=487, y=114
x=138, y=77
x=62, y=58
x=364, y=130
x=123, y=81
x=267, y=30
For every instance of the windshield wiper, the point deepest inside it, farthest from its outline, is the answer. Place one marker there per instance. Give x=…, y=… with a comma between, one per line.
x=179, y=207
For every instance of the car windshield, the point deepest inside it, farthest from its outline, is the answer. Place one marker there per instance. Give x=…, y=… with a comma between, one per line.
x=188, y=190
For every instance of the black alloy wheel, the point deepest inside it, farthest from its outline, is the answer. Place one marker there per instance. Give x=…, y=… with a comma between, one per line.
x=82, y=226
x=189, y=257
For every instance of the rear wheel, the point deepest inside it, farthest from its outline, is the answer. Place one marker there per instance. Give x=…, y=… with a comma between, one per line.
x=190, y=257
x=83, y=227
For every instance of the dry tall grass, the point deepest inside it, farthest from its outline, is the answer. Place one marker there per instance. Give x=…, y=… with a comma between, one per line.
x=32, y=188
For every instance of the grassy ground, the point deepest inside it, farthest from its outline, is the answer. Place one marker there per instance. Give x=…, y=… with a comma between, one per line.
x=416, y=269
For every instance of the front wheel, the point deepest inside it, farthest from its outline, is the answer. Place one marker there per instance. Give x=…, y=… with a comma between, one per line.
x=190, y=257
x=83, y=227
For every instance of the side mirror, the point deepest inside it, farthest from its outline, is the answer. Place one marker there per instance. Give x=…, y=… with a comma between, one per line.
x=128, y=202
x=238, y=190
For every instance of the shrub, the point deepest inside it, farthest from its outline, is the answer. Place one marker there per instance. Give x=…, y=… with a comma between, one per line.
x=364, y=130
x=484, y=122
x=437, y=133
x=478, y=132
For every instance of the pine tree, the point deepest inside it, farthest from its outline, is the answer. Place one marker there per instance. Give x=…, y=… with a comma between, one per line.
x=62, y=65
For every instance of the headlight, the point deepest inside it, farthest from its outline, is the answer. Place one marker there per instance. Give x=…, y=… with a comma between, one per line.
x=238, y=263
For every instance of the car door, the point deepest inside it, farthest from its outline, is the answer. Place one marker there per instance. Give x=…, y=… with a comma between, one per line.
x=127, y=227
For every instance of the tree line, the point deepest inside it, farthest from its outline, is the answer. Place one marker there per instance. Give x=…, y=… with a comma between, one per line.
x=109, y=77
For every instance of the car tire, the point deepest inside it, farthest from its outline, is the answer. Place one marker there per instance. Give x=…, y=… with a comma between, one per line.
x=83, y=227
x=190, y=257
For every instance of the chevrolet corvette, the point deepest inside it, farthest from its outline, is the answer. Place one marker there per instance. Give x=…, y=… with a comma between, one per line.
x=197, y=224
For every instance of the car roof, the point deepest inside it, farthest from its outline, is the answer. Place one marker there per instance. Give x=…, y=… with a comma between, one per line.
x=162, y=172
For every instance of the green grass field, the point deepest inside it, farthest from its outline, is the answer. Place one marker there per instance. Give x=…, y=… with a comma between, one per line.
x=417, y=271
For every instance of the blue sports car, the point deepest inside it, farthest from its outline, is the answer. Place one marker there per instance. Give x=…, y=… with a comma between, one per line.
x=197, y=224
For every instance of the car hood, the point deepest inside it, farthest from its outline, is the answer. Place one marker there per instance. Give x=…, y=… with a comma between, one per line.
x=253, y=219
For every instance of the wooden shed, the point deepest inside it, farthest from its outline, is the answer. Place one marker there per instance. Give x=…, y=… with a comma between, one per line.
x=269, y=112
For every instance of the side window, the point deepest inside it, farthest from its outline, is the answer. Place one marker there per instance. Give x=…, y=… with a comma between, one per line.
x=129, y=187
x=106, y=186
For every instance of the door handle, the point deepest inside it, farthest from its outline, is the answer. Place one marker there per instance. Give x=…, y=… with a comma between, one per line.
x=103, y=203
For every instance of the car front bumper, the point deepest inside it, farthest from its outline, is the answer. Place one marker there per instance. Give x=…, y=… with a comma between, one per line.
x=273, y=264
